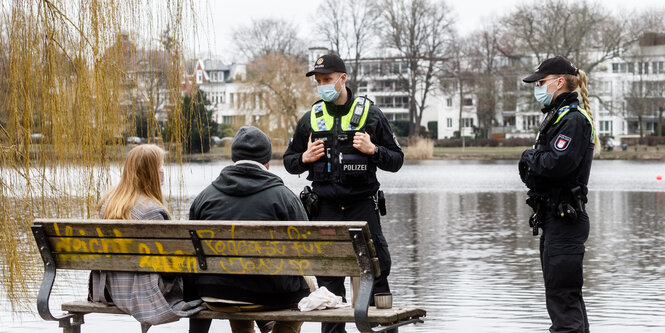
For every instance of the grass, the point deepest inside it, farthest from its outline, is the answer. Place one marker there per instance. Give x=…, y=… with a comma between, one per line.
x=514, y=153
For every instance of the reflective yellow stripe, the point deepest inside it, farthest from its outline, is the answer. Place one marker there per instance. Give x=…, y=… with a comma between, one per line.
x=346, y=120
x=588, y=117
x=322, y=123
x=564, y=110
x=325, y=121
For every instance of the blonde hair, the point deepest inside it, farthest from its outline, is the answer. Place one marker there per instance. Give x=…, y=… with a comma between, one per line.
x=140, y=176
x=572, y=84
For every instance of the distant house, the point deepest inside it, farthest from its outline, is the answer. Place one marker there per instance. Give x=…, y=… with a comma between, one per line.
x=225, y=90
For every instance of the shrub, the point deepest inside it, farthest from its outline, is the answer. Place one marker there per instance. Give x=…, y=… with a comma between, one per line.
x=420, y=149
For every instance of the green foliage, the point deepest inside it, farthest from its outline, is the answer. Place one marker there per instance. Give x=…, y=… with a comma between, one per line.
x=221, y=130
x=400, y=128
x=196, y=120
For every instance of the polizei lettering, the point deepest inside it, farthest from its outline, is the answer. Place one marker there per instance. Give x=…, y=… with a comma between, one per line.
x=355, y=167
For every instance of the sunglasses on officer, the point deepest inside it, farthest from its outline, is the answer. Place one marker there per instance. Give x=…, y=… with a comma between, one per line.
x=543, y=81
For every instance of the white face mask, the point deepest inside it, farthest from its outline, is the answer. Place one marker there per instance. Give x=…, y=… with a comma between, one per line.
x=328, y=92
x=541, y=94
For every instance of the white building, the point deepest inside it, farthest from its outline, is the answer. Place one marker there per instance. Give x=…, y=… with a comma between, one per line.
x=622, y=90
x=224, y=88
x=630, y=87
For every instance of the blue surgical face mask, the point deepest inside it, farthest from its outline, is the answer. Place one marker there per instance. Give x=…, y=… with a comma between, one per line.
x=328, y=92
x=541, y=94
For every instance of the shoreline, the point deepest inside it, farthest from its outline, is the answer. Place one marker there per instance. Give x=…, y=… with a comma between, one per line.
x=638, y=153
x=634, y=153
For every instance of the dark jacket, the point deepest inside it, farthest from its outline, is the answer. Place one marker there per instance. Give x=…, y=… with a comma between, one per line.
x=388, y=158
x=247, y=192
x=563, y=154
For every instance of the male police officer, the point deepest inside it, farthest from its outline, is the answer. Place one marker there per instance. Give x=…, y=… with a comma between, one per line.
x=341, y=142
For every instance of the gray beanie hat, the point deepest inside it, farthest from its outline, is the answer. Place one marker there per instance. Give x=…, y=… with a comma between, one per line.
x=250, y=143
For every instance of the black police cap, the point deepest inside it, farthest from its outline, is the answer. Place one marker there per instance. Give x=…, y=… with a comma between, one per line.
x=556, y=65
x=328, y=63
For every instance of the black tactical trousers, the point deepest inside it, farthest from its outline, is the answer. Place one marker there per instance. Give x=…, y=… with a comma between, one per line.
x=358, y=210
x=561, y=254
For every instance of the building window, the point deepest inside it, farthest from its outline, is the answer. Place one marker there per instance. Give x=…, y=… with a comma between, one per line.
x=468, y=101
x=362, y=86
x=530, y=122
x=393, y=101
x=402, y=116
x=467, y=122
x=658, y=67
x=199, y=77
x=449, y=102
x=449, y=122
x=605, y=127
x=228, y=120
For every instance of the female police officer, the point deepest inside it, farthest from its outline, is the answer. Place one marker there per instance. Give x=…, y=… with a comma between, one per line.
x=556, y=172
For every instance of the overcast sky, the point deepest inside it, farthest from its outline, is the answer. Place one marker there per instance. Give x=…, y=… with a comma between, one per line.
x=218, y=18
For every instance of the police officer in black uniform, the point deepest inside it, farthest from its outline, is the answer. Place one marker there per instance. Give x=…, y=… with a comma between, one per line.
x=556, y=171
x=341, y=142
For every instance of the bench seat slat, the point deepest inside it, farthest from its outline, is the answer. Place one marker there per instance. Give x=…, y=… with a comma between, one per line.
x=381, y=316
x=221, y=265
x=276, y=230
x=211, y=247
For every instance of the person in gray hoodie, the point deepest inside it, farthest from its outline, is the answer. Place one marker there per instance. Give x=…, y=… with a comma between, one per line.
x=246, y=190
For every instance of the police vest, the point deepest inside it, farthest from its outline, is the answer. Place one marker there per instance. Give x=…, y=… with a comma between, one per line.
x=341, y=163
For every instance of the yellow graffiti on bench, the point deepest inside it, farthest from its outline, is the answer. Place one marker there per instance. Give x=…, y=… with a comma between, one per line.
x=67, y=243
x=268, y=248
x=177, y=263
x=72, y=247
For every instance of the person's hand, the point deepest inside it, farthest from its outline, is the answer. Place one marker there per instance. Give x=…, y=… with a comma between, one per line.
x=314, y=152
x=362, y=142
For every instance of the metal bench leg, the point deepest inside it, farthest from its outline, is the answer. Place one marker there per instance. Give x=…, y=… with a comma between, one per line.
x=71, y=323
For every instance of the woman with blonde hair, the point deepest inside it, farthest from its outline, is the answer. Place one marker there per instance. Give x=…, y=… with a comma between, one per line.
x=149, y=297
x=556, y=172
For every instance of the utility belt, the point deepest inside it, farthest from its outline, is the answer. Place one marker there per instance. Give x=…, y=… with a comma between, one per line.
x=312, y=202
x=566, y=206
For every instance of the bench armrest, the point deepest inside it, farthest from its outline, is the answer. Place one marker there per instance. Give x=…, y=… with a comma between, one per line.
x=49, y=275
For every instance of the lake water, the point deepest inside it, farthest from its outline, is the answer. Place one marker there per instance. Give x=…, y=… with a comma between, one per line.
x=462, y=249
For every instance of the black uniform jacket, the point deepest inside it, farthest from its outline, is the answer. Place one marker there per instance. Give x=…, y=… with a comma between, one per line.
x=389, y=157
x=247, y=192
x=563, y=154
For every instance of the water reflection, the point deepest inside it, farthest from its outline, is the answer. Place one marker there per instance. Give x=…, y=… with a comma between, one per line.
x=462, y=248
x=470, y=260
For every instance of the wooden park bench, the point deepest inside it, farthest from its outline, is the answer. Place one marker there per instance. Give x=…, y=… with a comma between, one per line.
x=224, y=247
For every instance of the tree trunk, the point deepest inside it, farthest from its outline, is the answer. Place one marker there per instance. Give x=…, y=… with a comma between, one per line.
x=461, y=108
x=660, y=121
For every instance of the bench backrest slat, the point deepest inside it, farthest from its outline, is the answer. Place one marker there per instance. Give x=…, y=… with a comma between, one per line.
x=229, y=247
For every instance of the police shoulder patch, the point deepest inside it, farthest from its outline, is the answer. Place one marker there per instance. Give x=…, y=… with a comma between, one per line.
x=562, y=142
x=396, y=141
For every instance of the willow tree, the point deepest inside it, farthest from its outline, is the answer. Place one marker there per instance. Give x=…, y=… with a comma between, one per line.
x=282, y=91
x=65, y=82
